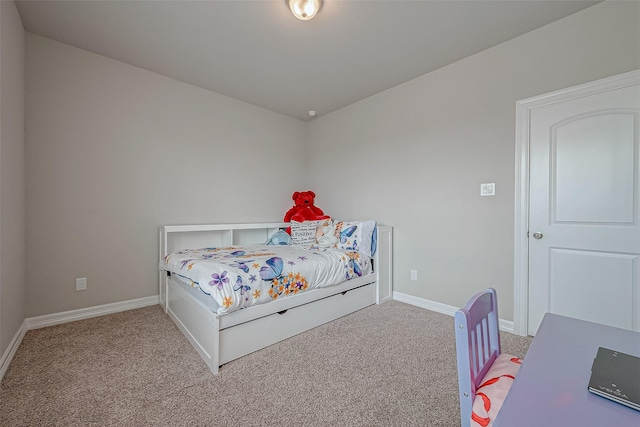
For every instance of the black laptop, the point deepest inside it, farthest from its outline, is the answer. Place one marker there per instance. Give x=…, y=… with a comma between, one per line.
x=616, y=376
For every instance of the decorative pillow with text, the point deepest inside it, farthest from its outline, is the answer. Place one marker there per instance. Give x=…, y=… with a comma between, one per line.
x=304, y=233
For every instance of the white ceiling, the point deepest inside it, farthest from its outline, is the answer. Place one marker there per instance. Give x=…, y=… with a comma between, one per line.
x=257, y=52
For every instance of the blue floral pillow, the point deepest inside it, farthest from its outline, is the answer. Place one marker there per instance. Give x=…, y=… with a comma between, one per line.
x=356, y=236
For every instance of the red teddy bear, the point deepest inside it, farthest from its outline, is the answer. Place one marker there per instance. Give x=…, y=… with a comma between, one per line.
x=304, y=209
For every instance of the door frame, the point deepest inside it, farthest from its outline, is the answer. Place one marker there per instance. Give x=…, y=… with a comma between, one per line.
x=521, y=218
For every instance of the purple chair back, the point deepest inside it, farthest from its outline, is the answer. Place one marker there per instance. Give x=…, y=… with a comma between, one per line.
x=477, y=346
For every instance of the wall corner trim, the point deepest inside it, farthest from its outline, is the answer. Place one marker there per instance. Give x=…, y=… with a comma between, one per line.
x=438, y=307
x=7, y=357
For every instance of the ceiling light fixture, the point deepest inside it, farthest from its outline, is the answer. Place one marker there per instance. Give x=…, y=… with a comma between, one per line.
x=304, y=9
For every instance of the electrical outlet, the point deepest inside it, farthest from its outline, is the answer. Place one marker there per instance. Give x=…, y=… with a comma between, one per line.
x=414, y=274
x=81, y=284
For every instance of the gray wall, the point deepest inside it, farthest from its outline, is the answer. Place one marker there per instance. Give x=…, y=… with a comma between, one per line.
x=415, y=155
x=114, y=151
x=13, y=288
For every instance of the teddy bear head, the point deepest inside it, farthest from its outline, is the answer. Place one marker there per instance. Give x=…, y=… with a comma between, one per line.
x=304, y=198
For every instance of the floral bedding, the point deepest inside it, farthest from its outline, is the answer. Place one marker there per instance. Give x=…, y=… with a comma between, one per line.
x=242, y=276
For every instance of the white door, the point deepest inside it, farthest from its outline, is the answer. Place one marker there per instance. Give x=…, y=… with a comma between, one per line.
x=584, y=209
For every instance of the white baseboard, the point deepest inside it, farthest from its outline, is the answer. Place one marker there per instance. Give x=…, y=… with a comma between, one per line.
x=68, y=316
x=7, y=357
x=438, y=307
x=89, y=312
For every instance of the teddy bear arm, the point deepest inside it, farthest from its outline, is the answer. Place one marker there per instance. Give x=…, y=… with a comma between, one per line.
x=316, y=210
x=290, y=213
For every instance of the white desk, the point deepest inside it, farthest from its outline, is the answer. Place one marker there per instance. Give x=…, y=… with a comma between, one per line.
x=551, y=388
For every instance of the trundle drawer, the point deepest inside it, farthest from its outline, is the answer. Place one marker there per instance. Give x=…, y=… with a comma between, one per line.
x=248, y=337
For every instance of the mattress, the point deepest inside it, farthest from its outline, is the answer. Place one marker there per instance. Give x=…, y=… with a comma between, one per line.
x=236, y=277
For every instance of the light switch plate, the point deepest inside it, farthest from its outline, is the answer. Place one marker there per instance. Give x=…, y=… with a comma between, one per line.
x=488, y=189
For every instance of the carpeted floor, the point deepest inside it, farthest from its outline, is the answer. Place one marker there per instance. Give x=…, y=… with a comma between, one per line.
x=387, y=365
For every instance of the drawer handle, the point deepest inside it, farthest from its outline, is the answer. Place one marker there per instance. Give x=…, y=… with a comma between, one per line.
x=282, y=312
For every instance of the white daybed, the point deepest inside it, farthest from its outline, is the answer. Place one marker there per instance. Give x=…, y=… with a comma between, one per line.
x=222, y=338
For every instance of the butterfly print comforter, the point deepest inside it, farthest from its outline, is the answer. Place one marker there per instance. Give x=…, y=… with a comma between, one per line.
x=242, y=276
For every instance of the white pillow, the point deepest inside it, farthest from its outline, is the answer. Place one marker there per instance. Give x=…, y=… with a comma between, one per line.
x=326, y=236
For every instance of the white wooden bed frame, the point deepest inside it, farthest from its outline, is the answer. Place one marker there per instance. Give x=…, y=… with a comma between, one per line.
x=222, y=338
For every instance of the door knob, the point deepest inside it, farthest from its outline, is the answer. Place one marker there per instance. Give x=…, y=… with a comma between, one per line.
x=537, y=235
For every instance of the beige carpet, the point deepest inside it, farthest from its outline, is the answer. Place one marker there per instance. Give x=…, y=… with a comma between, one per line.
x=388, y=365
